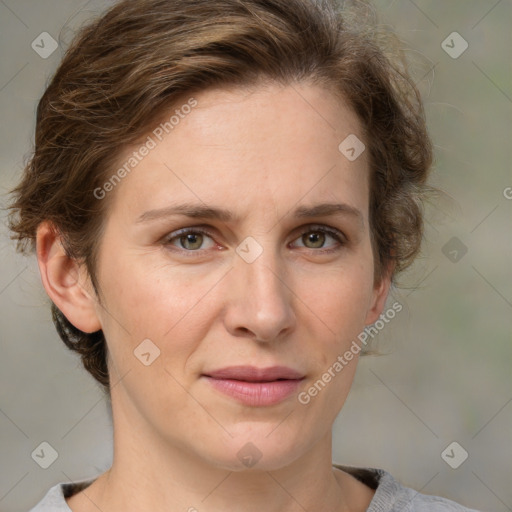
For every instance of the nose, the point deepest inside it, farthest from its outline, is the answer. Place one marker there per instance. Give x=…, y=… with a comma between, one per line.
x=260, y=300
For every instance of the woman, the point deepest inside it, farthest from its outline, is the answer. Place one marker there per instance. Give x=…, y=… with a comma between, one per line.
x=221, y=194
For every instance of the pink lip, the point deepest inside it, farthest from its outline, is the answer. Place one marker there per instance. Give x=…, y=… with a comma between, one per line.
x=256, y=386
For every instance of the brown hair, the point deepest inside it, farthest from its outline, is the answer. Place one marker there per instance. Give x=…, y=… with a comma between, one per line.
x=132, y=64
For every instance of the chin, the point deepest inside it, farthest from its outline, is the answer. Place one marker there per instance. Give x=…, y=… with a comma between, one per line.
x=254, y=449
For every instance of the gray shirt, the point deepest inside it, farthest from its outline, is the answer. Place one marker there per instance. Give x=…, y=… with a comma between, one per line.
x=390, y=496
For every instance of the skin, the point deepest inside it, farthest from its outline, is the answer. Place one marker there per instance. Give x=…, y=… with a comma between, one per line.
x=176, y=438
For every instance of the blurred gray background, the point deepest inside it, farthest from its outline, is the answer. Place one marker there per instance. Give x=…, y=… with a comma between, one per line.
x=446, y=373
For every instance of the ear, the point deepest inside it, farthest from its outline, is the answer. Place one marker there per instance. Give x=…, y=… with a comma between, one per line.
x=380, y=294
x=65, y=281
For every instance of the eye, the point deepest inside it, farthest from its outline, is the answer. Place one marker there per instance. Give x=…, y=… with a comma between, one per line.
x=190, y=240
x=196, y=240
x=315, y=237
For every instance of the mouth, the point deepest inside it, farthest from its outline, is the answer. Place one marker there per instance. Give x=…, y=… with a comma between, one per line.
x=253, y=386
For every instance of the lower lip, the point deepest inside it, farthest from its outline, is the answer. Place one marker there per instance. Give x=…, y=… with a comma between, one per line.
x=256, y=393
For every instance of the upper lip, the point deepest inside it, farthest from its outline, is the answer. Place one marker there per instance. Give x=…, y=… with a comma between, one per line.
x=254, y=374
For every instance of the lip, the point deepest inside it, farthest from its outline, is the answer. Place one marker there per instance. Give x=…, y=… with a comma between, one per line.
x=255, y=386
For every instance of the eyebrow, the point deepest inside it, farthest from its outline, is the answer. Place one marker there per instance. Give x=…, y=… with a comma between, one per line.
x=199, y=211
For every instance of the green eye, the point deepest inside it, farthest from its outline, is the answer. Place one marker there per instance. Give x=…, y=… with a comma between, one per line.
x=191, y=240
x=316, y=237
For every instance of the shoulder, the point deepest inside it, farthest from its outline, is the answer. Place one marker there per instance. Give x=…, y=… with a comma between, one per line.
x=391, y=496
x=55, y=498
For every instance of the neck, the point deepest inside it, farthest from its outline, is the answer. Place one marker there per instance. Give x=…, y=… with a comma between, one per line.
x=153, y=473
x=175, y=480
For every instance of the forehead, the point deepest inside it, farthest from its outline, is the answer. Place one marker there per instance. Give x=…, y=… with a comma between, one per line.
x=270, y=146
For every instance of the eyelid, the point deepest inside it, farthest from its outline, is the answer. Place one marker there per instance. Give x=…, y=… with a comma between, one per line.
x=203, y=230
x=335, y=233
x=338, y=236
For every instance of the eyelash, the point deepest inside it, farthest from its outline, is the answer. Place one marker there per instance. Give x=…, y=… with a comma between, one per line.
x=334, y=233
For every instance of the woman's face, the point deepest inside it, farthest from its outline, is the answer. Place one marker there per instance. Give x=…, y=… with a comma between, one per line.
x=219, y=252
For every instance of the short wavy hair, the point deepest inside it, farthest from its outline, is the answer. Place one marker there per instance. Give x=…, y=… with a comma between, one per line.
x=133, y=63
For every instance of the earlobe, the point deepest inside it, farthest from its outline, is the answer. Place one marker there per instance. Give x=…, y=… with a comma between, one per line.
x=380, y=294
x=65, y=281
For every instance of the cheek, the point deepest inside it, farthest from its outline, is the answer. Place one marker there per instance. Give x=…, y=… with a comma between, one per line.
x=337, y=302
x=340, y=297
x=160, y=303
x=169, y=307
